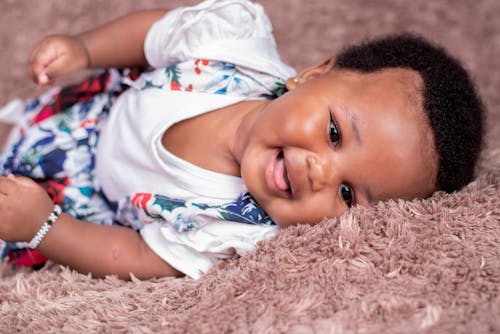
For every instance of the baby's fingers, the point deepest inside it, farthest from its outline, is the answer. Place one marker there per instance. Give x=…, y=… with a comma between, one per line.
x=55, y=56
x=41, y=58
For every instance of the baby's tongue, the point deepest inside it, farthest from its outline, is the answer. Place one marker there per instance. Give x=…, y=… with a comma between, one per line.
x=280, y=176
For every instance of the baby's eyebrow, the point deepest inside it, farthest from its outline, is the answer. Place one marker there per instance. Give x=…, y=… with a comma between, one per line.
x=368, y=193
x=353, y=121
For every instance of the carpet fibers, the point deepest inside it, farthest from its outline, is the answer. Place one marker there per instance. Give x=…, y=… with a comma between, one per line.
x=425, y=266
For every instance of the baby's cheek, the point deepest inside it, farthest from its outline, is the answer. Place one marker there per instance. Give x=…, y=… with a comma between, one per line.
x=282, y=214
x=309, y=213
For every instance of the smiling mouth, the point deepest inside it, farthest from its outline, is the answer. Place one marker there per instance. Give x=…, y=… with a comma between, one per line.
x=280, y=175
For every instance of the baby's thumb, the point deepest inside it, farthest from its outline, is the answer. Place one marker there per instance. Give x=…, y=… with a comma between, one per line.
x=51, y=72
x=45, y=67
x=39, y=60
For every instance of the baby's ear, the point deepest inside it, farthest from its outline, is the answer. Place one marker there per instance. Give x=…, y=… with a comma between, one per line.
x=311, y=73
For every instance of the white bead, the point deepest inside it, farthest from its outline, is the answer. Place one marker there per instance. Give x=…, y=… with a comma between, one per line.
x=45, y=227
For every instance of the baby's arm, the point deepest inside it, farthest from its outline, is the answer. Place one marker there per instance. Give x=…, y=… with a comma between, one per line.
x=118, y=43
x=100, y=250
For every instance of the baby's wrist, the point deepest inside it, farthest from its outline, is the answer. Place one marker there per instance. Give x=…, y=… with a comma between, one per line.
x=85, y=51
x=45, y=228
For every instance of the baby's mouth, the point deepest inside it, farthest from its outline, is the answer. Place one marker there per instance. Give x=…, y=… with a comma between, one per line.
x=280, y=174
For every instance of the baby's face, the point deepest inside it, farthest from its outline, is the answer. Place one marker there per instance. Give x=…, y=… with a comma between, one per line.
x=340, y=139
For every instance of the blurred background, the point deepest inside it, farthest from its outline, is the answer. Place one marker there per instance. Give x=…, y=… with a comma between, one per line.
x=306, y=33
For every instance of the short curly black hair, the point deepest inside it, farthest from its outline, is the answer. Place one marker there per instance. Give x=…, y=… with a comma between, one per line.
x=451, y=102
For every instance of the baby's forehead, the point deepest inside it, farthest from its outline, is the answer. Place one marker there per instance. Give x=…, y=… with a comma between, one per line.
x=413, y=83
x=398, y=89
x=404, y=78
x=404, y=81
x=411, y=86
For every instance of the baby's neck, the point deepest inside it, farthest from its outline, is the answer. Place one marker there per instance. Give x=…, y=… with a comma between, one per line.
x=215, y=140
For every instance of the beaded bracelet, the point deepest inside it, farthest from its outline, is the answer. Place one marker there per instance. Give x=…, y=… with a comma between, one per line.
x=45, y=227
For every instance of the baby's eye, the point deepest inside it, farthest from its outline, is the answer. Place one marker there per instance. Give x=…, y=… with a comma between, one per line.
x=347, y=194
x=333, y=132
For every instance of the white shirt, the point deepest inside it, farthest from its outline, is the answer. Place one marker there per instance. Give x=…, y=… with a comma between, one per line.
x=234, y=31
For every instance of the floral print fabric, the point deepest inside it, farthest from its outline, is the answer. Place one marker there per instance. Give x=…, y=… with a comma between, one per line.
x=57, y=149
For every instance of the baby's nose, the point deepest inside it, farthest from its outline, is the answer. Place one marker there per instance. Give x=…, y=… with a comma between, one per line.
x=318, y=172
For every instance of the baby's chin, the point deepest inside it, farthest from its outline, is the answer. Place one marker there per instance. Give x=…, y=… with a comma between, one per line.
x=279, y=220
x=284, y=222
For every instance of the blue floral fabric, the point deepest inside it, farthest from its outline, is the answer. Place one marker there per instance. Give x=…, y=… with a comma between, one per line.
x=57, y=149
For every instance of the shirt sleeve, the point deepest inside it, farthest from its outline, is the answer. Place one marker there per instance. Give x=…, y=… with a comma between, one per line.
x=195, y=252
x=234, y=31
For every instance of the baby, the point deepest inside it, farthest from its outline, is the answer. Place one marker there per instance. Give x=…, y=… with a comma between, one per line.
x=219, y=143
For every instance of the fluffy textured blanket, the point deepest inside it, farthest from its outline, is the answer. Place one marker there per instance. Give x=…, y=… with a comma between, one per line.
x=426, y=266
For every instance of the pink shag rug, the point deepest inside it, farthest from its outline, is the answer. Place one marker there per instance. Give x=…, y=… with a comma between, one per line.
x=426, y=266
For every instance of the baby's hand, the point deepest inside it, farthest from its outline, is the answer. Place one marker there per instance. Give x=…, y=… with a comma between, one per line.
x=56, y=55
x=24, y=207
